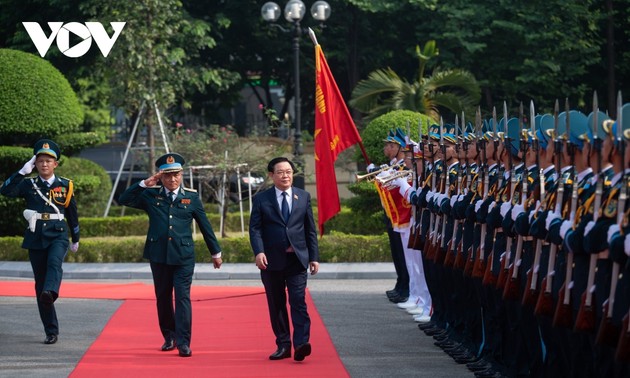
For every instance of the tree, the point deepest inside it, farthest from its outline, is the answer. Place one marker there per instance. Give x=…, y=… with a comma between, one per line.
x=36, y=100
x=154, y=61
x=384, y=91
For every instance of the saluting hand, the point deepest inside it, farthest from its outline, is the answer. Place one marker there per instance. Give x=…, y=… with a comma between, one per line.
x=153, y=180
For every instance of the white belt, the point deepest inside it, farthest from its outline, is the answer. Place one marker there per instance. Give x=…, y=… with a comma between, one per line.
x=47, y=216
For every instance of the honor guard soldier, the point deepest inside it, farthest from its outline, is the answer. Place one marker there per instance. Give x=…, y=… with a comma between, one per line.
x=169, y=245
x=51, y=212
x=419, y=304
x=392, y=149
x=600, y=271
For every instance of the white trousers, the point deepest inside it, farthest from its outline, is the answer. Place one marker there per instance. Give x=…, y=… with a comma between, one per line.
x=417, y=282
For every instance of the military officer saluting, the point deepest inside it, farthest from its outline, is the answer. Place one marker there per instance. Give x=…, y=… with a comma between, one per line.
x=51, y=211
x=169, y=245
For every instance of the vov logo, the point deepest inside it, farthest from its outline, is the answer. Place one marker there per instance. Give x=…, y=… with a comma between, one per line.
x=61, y=31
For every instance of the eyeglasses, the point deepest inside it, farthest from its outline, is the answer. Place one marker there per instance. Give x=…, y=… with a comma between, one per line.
x=283, y=173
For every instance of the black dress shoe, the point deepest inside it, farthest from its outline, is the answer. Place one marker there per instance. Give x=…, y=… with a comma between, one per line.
x=391, y=293
x=465, y=359
x=482, y=363
x=50, y=339
x=280, y=353
x=423, y=326
x=398, y=299
x=168, y=345
x=184, y=351
x=488, y=373
x=302, y=351
x=47, y=297
x=479, y=367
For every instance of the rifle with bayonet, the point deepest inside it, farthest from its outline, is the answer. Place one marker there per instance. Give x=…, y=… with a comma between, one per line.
x=460, y=259
x=418, y=241
x=585, y=320
x=505, y=259
x=451, y=249
x=489, y=279
x=607, y=333
x=414, y=185
x=530, y=295
x=471, y=262
x=440, y=244
x=563, y=316
x=428, y=243
x=512, y=286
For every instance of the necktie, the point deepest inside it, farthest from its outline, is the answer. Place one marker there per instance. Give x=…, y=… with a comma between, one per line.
x=171, y=196
x=285, y=207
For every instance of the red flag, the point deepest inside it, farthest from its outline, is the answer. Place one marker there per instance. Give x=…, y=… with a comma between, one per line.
x=334, y=132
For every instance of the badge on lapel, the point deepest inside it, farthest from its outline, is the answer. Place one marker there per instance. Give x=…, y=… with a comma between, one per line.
x=295, y=197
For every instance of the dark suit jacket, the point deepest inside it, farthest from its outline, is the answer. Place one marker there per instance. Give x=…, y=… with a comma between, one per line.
x=169, y=239
x=268, y=232
x=50, y=230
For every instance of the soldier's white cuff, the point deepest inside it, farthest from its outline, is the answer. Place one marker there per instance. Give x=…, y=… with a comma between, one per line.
x=589, y=227
x=216, y=255
x=612, y=230
x=566, y=226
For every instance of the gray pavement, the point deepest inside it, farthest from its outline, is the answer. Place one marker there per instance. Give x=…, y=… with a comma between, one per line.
x=373, y=337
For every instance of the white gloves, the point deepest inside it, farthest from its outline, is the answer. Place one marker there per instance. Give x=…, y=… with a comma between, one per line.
x=28, y=167
x=491, y=205
x=453, y=200
x=611, y=231
x=478, y=205
x=370, y=167
x=402, y=185
x=626, y=245
x=516, y=210
x=505, y=207
x=566, y=226
x=550, y=218
x=74, y=247
x=430, y=195
x=589, y=227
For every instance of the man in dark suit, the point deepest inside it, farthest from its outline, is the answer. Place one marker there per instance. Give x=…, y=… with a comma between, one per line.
x=283, y=238
x=169, y=245
x=49, y=200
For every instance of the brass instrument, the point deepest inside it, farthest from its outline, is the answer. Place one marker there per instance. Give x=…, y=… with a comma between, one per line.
x=372, y=175
x=386, y=181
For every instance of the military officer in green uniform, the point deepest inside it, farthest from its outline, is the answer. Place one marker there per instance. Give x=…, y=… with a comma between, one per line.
x=169, y=245
x=51, y=211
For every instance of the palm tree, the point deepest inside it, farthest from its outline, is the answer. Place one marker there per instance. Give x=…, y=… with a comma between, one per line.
x=384, y=91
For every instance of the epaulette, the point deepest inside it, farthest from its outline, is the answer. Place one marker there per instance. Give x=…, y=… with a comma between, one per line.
x=64, y=178
x=190, y=190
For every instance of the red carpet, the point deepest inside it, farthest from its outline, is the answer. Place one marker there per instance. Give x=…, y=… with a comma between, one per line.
x=231, y=335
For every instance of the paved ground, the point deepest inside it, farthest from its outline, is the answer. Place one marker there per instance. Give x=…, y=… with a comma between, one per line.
x=372, y=336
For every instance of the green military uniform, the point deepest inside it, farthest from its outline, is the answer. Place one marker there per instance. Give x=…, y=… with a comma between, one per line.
x=169, y=247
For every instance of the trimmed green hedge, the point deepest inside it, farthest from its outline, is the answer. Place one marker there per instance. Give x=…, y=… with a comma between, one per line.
x=335, y=247
x=36, y=100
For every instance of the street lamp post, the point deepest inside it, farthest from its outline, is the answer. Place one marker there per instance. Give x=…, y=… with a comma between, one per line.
x=294, y=12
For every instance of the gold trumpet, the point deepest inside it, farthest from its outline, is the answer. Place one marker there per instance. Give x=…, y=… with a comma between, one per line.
x=372, y=175
x=387, y=180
